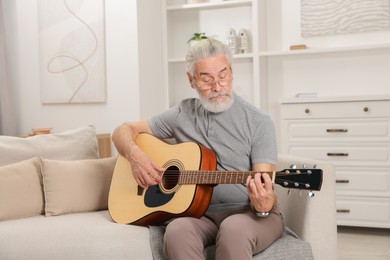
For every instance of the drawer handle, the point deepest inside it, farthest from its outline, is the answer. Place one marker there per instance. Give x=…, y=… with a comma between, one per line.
x=343, y=211
x=307, y=111
x=336, y=130
x=337, y=154
x=365, y=109
x=342, y=181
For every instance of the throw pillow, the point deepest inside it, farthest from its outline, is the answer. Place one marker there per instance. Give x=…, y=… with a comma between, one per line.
x=76, y=186
x=77, y=144
x=21, y=192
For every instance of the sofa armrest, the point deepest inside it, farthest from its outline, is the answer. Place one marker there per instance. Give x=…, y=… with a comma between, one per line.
x=104, y=145
x=312, y=218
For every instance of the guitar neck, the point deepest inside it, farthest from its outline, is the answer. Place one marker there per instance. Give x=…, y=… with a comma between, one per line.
x=306, y=179
x=216, y=177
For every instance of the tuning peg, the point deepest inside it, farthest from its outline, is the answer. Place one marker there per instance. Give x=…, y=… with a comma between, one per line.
x=289, y=192
x=311, y=194
x=314, y=166
x=293, y=166
x=303, y=166
x=300, y=192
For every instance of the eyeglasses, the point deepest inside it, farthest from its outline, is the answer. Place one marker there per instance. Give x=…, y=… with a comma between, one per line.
x=207, y=82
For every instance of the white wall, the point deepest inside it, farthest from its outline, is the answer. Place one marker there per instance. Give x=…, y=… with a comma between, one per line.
x=123, y=103
x=150, y=52
x=133, y=84
x=357, y=73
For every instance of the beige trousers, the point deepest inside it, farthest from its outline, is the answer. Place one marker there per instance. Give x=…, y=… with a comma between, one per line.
x=237, y=235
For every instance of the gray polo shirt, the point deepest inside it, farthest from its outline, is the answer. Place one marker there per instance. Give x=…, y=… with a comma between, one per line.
x=240, y=136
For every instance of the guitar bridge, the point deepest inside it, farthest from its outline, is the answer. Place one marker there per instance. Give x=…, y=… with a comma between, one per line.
x=140, y=190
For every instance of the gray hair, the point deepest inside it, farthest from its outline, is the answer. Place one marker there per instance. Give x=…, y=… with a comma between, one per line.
x=206, y=48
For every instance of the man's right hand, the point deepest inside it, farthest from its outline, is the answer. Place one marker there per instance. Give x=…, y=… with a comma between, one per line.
x=145, y=172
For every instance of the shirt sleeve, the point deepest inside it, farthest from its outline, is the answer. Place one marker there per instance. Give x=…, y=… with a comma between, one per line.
x=264, y=147
x=162, y=125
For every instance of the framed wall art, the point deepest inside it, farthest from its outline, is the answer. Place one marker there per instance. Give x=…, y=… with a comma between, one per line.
x=330, y=17
x=72, y=51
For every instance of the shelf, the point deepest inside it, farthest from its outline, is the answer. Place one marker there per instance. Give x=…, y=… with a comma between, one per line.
x=235, y=56
x=325, y=50
x=210, y=5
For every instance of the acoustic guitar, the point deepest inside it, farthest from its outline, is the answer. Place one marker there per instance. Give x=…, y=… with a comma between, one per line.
x=187, y=184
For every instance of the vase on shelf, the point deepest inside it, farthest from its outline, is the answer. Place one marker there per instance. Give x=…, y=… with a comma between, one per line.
x=231, y=40
x=243, y=41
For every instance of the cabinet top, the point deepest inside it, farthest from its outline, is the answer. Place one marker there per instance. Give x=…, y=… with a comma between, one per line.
x=335, y=99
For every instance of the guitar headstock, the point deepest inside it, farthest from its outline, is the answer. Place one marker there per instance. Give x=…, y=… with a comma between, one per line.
x=302, y=179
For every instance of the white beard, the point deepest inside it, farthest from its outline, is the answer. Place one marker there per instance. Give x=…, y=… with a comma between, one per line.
x=216, y=107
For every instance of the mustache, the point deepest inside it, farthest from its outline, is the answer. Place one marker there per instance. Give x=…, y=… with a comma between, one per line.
x=218, y=94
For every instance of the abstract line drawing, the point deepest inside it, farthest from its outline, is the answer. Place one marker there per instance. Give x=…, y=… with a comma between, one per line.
x=72, y=51
x=330, y=17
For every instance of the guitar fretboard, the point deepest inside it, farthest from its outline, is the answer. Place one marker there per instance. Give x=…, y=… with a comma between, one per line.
x=215, y=177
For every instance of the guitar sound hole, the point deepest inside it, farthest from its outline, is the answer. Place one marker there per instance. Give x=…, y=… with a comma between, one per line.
x=170, y=178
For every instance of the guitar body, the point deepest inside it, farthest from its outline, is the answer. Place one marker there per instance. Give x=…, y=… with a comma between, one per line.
x=130, y=204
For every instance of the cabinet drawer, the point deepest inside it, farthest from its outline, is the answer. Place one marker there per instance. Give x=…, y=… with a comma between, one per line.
x=363, y=181
x=338, y=129
x=361, y=109
x=365, y=212
x=337, y=153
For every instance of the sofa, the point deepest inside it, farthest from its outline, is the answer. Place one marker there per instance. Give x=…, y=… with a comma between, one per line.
x=53, y=205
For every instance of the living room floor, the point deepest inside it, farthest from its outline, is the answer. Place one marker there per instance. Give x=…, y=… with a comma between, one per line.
x=356, y=243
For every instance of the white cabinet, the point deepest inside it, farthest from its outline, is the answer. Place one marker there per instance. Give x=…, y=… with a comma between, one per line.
x=354, y=135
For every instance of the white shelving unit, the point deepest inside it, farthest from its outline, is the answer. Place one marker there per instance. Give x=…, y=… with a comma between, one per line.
x=215, y=18
x=354, y=65
x=270, y=71
x=259, y=75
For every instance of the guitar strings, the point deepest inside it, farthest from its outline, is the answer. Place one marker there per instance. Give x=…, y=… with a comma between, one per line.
x=207, y=177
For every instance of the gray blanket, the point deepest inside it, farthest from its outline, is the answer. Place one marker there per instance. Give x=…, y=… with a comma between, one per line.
x=289, y=246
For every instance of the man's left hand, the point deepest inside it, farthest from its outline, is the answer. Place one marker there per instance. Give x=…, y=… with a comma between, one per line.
x=260, y=192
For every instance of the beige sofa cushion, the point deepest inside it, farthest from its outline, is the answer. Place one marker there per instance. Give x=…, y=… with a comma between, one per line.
x=21, y=190
x=76, y=186
x=76, y=144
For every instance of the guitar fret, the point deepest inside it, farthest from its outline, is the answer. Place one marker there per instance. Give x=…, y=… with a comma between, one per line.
x=180, y=179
